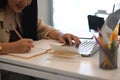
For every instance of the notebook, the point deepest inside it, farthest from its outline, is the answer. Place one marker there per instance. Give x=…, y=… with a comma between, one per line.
x=41, y=47
x=64, y=51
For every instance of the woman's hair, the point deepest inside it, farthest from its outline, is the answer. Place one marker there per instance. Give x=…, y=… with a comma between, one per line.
x=29, y=19
x=3, y=3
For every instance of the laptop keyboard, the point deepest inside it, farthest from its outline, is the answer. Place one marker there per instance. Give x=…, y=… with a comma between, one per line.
x=86, y=47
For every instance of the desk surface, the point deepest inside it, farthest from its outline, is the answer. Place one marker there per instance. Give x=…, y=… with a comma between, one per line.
x=83, y=68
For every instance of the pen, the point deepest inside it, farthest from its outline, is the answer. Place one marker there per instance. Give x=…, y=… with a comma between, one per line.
x=105, y=50
x=16, y=31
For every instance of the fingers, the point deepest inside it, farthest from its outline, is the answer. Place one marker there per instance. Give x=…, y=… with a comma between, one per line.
x=27, y=42
x=76, y=39
x=28, y=49
x=69, y=38
x=24, y=50
x=24, y=45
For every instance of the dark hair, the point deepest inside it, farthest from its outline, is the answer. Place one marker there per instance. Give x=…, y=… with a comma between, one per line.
x=29, y=19
x=3, y=3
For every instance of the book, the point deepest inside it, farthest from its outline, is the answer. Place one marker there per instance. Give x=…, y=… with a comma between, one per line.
x=64, y=51
x=41, y=47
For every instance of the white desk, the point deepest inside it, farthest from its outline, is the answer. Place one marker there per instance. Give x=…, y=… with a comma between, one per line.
x=86, y=68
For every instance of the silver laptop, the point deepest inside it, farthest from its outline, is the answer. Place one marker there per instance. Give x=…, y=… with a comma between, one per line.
x=89, y=46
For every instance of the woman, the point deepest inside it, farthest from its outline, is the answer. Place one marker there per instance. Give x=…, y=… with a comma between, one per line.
x=22, y=14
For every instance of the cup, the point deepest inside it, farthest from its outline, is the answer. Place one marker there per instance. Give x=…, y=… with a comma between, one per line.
x=108, y=59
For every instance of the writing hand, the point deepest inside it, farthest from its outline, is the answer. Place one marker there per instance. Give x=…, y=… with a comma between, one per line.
x=22, y=45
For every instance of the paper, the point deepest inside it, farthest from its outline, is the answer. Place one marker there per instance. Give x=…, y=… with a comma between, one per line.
x=64, y=51
x=106, y=32
x=32, y=53
x=41, y=47
x=64, y=59
x=61, y=48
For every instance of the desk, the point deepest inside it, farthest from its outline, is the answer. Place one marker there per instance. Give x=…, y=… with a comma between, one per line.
x=86, y=68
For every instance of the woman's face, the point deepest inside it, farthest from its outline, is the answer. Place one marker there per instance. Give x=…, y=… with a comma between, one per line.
x=18, y=5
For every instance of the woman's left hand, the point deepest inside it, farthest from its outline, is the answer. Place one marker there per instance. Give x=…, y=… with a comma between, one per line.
x=69, y=38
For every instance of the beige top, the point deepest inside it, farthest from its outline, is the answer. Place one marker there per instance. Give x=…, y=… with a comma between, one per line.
x=42, y=28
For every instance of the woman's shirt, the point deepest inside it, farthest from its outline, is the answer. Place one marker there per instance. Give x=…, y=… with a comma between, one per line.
x=42, y=28
x=14, y=36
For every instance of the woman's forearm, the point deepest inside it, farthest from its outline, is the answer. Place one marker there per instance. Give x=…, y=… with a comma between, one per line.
x=6, y=48
x=54, y=34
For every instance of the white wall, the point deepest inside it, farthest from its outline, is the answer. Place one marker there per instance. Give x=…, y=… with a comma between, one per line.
x=117, y=6
x=45, y=11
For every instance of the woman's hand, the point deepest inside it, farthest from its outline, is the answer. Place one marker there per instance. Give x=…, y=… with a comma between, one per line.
x=68, y=39
x=22, y=46
x=64, y=38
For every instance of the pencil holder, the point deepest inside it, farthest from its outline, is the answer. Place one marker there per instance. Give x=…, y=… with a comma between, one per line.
x=108, y=59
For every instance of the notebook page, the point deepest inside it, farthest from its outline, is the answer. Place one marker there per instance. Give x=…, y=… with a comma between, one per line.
x=32, y=53
x=41, y=47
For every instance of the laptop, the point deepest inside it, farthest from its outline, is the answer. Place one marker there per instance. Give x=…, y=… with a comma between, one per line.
x=89, y=46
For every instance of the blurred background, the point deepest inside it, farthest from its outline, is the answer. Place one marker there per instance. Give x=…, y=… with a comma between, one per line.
x=71, y=15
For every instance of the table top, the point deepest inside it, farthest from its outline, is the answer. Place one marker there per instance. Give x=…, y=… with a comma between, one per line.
x=82, y=67
x=85, y=67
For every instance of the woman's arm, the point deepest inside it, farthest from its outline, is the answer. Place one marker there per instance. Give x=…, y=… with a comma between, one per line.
x=46, y=31
x=20, y=46
x=66, y=38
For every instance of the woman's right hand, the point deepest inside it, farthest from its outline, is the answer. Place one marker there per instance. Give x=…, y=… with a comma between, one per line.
x=22, y=46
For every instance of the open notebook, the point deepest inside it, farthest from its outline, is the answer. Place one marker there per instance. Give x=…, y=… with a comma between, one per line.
x=41, y=47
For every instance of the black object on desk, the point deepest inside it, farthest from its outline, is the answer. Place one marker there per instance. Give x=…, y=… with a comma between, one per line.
x=95, y=22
